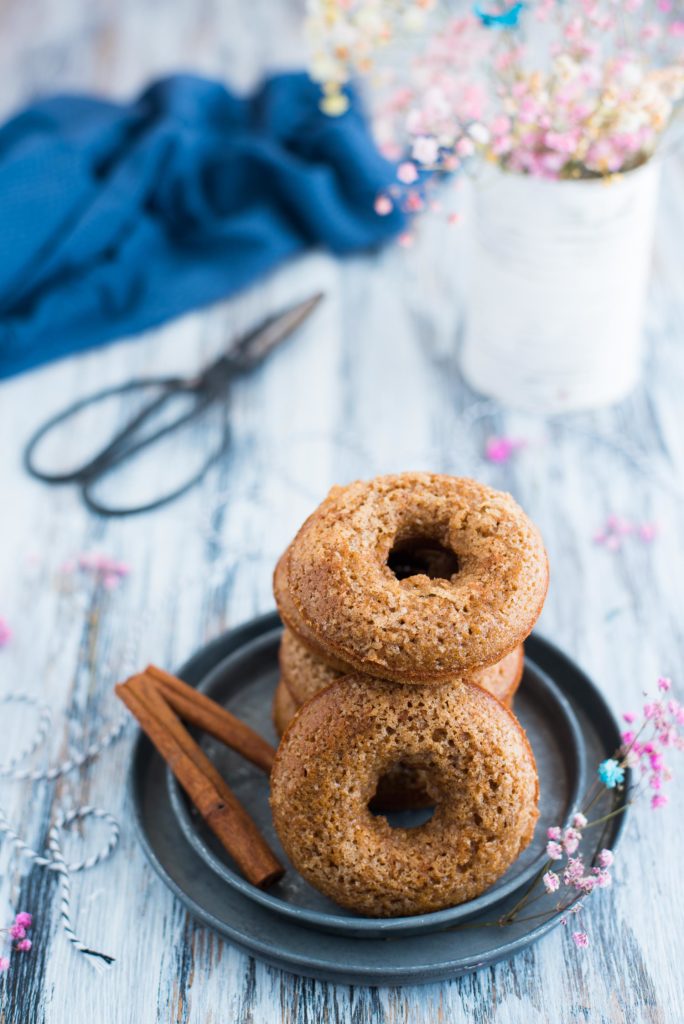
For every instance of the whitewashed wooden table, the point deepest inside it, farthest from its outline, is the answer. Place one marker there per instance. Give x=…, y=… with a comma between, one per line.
x=371, y=385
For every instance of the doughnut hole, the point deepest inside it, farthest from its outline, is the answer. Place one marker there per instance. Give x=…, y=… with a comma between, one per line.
x=422, y=556
x=407, y=793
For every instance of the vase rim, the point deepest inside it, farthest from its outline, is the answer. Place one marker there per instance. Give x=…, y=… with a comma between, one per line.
x=652, y=164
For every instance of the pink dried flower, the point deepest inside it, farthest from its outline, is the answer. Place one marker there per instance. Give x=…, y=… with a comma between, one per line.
x=407, y=173
x=5, y=632
x=24, y=919
x=658, y=800
x=571, y=839
x=617, y=528
x=603, y=878
x=500, y=449
x=24, y=946
x=606, y=858
x=465, y=147
x=664, y=684
x=551, y=881
x=629, y=717
x=383, y=206
x=17, y=931
x=621, y=526
x=581, y=939
x=574, y=871
x=553, y=833
x=554, y=851
x=579, y=821
x=413, y=202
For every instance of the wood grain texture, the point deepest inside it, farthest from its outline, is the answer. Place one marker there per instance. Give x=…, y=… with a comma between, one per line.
x=371, y=385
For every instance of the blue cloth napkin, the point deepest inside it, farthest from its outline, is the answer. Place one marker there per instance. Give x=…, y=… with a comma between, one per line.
x=114, y=217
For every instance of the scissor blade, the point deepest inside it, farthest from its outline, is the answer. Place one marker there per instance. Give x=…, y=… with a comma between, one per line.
x=255, y=346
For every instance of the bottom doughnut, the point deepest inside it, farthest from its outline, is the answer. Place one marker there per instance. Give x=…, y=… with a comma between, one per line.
x=479, y=771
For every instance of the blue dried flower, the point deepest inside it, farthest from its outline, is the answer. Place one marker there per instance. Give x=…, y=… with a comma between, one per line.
x=506, y=19
x=611, y=773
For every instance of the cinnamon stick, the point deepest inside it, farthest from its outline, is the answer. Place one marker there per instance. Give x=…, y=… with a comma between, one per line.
x=206, y=788
x=209, y=716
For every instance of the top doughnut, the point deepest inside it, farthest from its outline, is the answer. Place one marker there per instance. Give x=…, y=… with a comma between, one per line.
x=414, y=577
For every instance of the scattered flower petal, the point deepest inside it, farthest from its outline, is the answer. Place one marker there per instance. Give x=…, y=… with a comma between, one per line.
x=500, y=449
x=5, y=632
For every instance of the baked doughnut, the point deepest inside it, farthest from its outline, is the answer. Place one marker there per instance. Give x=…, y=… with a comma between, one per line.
x=284, y=708
x=404, y=787
x=415, y=578
x=502, y=679
x=294, y=622
x=480, y=771
x=305, y=674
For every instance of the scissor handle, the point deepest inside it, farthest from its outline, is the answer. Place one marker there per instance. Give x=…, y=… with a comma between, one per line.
x=106, y=510
x=119, y=447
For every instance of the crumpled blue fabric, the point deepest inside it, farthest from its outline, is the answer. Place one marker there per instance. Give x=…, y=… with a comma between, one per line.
x=117, y=217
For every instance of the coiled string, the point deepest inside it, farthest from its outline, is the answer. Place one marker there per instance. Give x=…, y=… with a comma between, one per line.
x=54, y=860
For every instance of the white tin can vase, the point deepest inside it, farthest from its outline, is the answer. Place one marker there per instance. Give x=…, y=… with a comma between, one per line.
x=558, y=277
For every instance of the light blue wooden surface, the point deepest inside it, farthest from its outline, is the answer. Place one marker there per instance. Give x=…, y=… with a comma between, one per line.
x=372, y=385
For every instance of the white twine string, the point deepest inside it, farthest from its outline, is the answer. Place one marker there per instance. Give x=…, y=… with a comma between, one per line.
x=8, y=770
x=55, y=860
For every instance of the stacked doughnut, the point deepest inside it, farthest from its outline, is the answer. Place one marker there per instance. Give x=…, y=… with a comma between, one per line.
x=406, y=600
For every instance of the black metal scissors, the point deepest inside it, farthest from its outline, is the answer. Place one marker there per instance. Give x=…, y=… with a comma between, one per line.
x=210, y=387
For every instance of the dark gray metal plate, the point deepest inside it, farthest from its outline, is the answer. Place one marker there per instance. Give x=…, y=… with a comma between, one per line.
x=244, y=682
x=277, y=939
